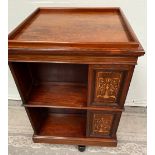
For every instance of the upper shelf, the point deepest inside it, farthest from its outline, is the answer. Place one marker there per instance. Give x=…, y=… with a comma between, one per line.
x=73, y=28
x=62, y=95
x=58, y=95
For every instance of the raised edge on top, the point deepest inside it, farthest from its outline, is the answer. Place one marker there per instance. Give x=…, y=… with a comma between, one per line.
x=75, y=29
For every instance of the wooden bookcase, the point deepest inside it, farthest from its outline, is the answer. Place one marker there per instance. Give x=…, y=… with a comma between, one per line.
x=73, y=67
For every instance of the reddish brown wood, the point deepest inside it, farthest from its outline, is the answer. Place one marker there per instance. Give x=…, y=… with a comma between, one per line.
x=63, y=125
x=36, y=117
x=73, y=68
x=102, y=123
x=64, y=95
x=110, y=23
x=59, y=72
x=109, y=84
x=73, y=59
x=76, y=141
x=23, y=78
x=102, y=29
x=72, y=96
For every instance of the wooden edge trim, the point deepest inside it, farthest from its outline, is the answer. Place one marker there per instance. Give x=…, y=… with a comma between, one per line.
x=14, y=32
x=48, y=44
x=77, y=141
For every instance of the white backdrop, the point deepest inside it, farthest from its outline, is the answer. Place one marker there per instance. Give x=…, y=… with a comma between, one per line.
x=135, y=11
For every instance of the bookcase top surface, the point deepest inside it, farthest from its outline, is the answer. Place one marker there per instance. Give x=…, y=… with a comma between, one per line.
x=74, y=27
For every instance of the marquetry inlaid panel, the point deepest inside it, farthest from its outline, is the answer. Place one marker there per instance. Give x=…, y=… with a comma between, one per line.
x=102, y=123
x=107, y=86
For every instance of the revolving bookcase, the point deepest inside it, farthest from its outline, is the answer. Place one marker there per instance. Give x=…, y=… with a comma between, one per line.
x=73, y=68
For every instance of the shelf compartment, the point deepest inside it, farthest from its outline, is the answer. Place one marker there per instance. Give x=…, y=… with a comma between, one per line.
x=53, y=122
x=58, y=95
x=51, y=84
x=67, y=96
x=63, y=125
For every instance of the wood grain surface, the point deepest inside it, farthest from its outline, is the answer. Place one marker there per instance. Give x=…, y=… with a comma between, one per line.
x=74, y=27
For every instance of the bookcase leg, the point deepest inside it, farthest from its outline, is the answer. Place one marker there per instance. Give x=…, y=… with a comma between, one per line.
x=81, y=148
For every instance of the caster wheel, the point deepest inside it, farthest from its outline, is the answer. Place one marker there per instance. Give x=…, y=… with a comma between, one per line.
x=81, y=148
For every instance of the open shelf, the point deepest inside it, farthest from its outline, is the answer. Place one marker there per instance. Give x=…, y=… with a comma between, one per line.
x=53, y=122
x=63, y=125
x=58, y=94
x=52, y=84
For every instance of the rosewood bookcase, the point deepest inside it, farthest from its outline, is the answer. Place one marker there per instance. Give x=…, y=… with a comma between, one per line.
x=73, y=68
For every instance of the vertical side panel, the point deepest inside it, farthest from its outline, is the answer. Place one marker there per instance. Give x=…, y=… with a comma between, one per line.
x=126, y=85
x=23, y=78
x=36, y=117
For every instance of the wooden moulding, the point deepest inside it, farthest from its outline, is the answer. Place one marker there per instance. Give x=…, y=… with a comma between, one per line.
x=77, y=141
x=72, y=59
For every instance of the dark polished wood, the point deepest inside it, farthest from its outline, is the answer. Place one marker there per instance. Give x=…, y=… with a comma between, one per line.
x=76, y=140
x=73, y=68
x=102, y=123
x=107, y=83
x=66, y=95
x=58, y=125
x=74, y=31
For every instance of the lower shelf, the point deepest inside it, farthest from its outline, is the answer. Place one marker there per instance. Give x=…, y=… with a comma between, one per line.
x=76, y=141
x=63, y=125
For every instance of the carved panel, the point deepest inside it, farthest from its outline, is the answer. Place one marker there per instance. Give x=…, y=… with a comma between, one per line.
x=107, y=86
x=102, y=123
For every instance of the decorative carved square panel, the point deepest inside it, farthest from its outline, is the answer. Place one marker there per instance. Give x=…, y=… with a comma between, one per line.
x=102, y=123
x=107, y=86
